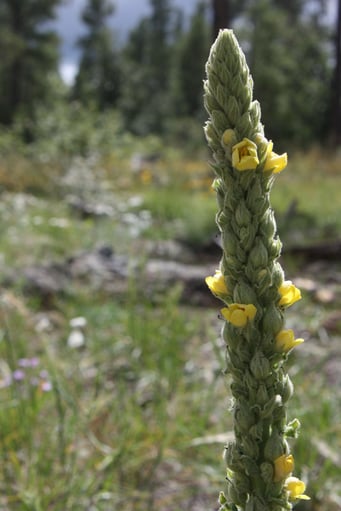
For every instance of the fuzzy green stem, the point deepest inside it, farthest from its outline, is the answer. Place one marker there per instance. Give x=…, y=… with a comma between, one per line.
x=254, y=282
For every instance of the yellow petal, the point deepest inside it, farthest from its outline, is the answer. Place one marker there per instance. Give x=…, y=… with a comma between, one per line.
x=275, y=162
x=244, y=155
x=250, y=311
x=295, y=488
x=217, y=284
x=289, y=294
x=238, y=314
x=285, y=340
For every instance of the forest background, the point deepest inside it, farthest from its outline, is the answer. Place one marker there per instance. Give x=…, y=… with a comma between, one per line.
x=153, y=81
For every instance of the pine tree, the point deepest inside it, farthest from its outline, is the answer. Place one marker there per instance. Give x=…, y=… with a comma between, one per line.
x=148, y=62
x=189, y=68
x=29, y=54
x=335, y=101
x=98, y=79
x=291, y=74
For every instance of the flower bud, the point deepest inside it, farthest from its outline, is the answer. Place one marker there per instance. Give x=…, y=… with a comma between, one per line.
x=242, y=215
x=262, y=394
x=260, y=366
x=244, y=121
x=270, y=406
x=232, y=457
x=228, y=138
x=233, y=110
x=235, y=495
x=272, y=321
x=287, y=388
x=267, y=471
x=258, y=256
x=243, y=293
x=222, y=499
x=275, y=446
x=277, y=275
x=263, y=280
x=268, y=226
x=250, y=447
x=244, y=417
x=292, y=429
x=229, y=241
x=250, y=466
x=275, y=248
x=256, y=432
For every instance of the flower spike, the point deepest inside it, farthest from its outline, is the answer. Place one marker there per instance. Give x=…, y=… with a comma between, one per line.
x=259, y=463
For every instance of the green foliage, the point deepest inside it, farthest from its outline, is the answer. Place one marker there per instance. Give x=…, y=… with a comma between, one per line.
x=98, y=79
x=65, y=130
x=30, y=55
x=146, y=102
x=292, y=73
x=154, y=81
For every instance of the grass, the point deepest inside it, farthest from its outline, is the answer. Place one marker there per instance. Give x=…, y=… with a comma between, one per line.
x=133, y=418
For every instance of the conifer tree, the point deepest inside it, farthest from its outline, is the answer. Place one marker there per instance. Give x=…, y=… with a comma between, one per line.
x=98, y=79
x=335, y=101
x=148, y=65
x=189, y=71
x=29, y=54
x=292, y=73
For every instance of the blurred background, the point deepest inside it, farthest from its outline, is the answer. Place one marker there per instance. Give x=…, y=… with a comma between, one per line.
x=112, y=393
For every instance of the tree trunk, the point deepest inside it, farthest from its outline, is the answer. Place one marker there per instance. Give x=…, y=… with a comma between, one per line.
x=335, y=128
x=221, y=15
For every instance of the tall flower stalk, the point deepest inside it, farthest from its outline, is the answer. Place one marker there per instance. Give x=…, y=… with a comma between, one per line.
x=251, y=283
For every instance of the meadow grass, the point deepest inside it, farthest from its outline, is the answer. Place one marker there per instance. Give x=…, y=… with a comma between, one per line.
x=137, y=416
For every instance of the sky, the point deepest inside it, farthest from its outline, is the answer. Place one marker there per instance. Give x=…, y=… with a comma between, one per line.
x=126, y=16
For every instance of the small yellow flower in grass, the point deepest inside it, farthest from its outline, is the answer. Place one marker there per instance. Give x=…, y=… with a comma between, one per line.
x=217, y=284
x=295, y=488
x=275, y=162
x=285, y=340
x=289, y=294
x=283, y=466
x=239, y=314
x=244, y=155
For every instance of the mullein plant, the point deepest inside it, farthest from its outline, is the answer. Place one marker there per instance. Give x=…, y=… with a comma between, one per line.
x=251, y=284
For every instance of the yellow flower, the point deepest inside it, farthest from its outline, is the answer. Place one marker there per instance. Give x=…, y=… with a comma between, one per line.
x=295, y=488
x=146, y=176
x=217, y=284
x=244, y=155
x=275, y=162
x=283, y=466
x=289, y=294
x=285, y=340
x=238, y=313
